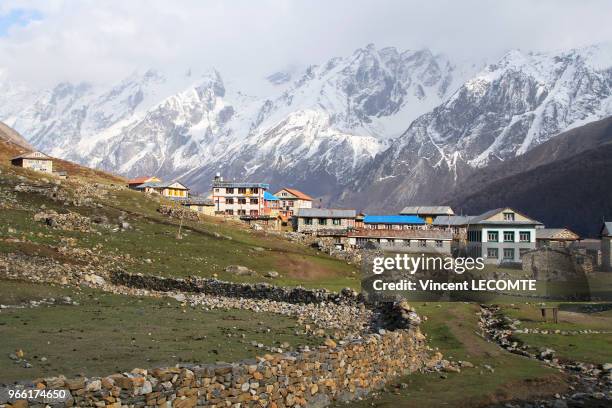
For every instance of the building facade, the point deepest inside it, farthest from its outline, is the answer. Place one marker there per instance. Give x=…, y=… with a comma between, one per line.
x=555, y=237
x=201, y=205
x=392, y=222
x=291, y=200
x=402, y=240
x=324, y=221
x=172, y=190
x=238, y=198
x=502, y=235
x=606, y=246
x=34, y=161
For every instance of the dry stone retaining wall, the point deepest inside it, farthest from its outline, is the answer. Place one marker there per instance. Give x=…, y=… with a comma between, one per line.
x=230, y=289
x=340, y=371
x=300, y=379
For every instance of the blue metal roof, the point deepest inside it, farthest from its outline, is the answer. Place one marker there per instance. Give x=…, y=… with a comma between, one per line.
x=393, y=219
x=270, y=196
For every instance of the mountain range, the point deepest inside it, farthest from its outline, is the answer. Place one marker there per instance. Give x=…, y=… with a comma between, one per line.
x=377, y=129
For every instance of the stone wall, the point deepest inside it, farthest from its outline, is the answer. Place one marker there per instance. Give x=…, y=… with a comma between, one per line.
x=336, y=371
x=310, y=378
x=238, y=290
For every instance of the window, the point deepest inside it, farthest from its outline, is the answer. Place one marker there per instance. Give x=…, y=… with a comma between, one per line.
x=508, y=236
x=229, y=190
x=439, y=243
x=229, y=212
x=407, y=243
x=493, y=236
x=254, y=201
x=307, y=221
x=241, y=212
x=242, y=201
x=509, y=254
x=337, y=221
x=289, y=203
x=242, y=191
x=508, y=216
x=254, y=212
x=229, y=201
x=422, y=243
x=216, y=190
x=322, y=221
x=255, y=190
x=525, y=236
x=492, y=253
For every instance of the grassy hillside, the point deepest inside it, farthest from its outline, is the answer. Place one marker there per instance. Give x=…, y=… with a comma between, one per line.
x=149, y=245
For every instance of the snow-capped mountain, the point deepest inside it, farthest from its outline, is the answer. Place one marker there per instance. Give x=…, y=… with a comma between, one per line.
x=335, y=127
x=322, y=122
x=511, y=106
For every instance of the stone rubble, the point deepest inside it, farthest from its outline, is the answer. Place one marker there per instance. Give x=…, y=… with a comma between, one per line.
x=590, y=382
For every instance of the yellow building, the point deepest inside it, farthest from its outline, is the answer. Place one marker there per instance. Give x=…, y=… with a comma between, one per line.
x=173, y=189
x=202, y=205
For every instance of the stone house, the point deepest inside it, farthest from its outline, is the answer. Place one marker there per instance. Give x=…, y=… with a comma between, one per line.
x=34, y=161
x=606, y=246
x=501, y=235
x=402, y=240
x=555, y=237
x=291, y=200
x=201, y=205
x=428, y=212
x=324, y=221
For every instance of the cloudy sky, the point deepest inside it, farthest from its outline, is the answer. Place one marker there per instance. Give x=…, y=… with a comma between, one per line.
x=44, y=41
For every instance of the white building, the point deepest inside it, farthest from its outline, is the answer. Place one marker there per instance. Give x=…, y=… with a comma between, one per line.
x=238, y=198
x=501, y=235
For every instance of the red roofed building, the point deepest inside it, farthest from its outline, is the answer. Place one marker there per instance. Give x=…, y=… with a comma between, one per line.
x=290, y=200
x=135, y=182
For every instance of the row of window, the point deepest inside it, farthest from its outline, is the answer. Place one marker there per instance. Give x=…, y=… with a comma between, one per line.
x=493, y=236
x=241, y=212
x=241, y=190
x=508, y=253
x=400, y=242
x=323, y=221
x=232, y=200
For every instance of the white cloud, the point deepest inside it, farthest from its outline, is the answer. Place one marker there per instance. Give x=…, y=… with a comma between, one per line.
x=103, y=40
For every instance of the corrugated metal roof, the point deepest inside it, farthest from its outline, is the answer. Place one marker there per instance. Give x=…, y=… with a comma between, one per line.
x=326, y=213
x=33, y=155
x=452, y=220
x=427, y=210
x=393, y=219
x=160, y=184
x=240, y=184
x=269, y=196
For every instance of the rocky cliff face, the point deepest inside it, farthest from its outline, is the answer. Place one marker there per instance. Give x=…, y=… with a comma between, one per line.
x=502, y=112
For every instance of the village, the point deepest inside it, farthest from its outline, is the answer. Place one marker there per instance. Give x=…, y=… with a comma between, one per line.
x=501, y=236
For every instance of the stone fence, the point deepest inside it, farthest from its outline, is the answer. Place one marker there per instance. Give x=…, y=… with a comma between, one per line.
x=342, y=371
x=310, y=378
x=239, y=290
